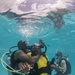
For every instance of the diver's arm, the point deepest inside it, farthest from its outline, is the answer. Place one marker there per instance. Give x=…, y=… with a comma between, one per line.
x=61, y=68
x=53, y=66
x=26, y=58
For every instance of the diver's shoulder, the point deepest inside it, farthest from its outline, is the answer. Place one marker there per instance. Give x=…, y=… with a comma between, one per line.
x=19, y=51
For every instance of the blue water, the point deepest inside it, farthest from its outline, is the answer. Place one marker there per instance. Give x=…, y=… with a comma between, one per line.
x=62, y=39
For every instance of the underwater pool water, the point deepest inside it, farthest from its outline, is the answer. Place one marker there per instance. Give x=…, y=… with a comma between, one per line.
x=62, y=39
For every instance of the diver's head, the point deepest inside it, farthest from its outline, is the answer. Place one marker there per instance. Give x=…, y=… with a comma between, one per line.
x=22, y=45
x=58, y=54
x=36, y=49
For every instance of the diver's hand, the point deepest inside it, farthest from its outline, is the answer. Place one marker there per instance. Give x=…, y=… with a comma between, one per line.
x=24, y=67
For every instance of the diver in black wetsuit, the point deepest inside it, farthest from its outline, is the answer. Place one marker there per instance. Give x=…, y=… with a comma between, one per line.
x=21, y=56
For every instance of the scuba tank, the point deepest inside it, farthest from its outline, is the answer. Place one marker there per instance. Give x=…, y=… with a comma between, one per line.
x=8, y=60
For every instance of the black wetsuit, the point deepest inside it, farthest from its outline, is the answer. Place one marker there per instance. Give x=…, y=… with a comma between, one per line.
x=14, y=63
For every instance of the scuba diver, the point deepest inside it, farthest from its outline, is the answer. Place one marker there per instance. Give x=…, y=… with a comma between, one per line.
x=20, y=55
x=42, y=66
x=63, y=64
